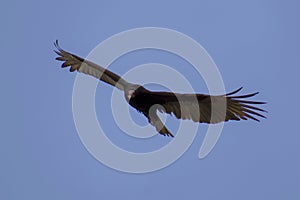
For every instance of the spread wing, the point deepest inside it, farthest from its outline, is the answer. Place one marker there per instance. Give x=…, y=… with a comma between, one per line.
x=88, y=67
x=199, y=107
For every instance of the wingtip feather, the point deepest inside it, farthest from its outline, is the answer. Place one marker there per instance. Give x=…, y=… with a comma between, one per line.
x=234, y=92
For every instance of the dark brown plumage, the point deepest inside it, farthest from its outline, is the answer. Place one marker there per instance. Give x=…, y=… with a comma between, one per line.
x=197, y=107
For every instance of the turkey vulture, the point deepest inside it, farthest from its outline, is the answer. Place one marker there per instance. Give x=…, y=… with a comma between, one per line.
x=196, y=107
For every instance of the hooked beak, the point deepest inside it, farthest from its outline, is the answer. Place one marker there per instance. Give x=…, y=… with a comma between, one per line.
x=130, y=94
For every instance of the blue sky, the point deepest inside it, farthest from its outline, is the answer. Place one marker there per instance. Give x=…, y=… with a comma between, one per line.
x=255, y=44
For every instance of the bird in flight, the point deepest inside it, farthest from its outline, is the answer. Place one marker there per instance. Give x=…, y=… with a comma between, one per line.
x=200, y=108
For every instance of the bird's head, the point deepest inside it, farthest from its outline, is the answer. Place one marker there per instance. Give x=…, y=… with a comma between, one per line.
x=131, y=91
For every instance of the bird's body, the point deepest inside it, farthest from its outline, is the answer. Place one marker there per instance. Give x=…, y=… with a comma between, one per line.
x=197, y=107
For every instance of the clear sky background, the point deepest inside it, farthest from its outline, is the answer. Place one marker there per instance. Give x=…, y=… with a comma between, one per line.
x=255, y=44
